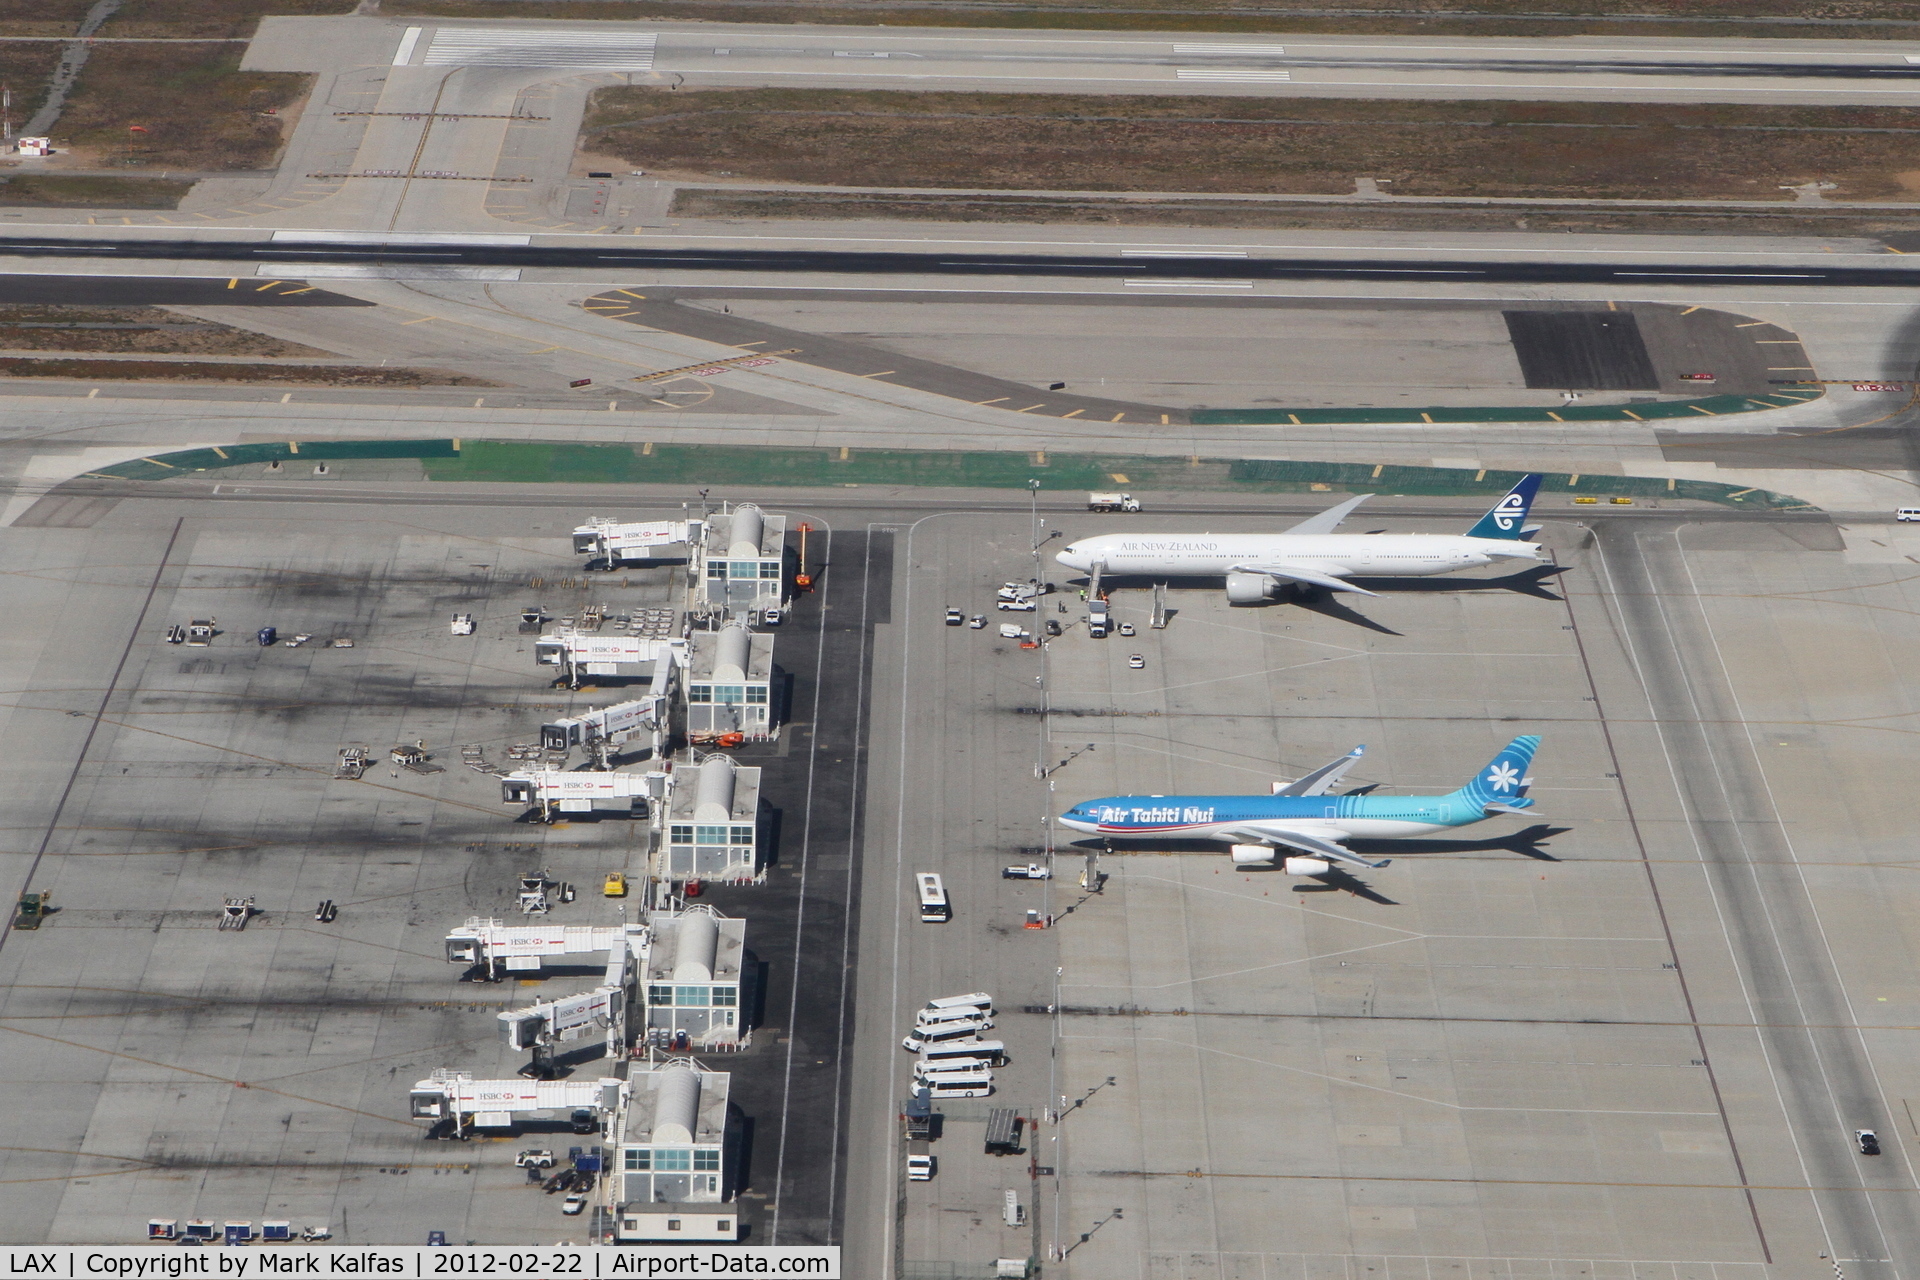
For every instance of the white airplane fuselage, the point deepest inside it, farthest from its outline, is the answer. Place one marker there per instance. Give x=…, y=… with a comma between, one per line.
x=1340, y=555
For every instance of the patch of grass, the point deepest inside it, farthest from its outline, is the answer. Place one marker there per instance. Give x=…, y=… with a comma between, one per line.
x=218, y=18
x=1290, y=146
x=199, y=109
x=1788, y=220
x=1842, y=19
x=53, y=191
x=80, y=369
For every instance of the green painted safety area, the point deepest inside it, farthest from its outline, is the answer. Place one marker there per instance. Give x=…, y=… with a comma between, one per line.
x=1707, y=406
x=167, y=465
x=706, y=466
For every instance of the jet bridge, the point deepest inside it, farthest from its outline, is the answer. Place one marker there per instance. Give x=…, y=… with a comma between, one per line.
x=589, y=653
x=604, y=730
x=615, y=543
x=562, y=791
x=519, y=948
x=493, y=1104
x=603, y=1010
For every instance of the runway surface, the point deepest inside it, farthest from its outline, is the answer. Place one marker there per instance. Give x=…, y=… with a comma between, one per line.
x=289, y=254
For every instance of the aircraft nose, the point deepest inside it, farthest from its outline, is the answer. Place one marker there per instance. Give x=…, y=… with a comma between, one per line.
x=1069, y=558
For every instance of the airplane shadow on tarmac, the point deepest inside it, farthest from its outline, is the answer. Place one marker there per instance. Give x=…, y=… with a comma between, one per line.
x=1528, y=842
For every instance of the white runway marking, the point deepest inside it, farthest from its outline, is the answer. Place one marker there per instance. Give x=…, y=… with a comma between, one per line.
x=405, y=51
x=1236, y=50
x=506, y=47
x=1229, y=74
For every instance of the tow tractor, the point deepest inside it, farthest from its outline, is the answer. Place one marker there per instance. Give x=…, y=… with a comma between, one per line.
x=462, y=624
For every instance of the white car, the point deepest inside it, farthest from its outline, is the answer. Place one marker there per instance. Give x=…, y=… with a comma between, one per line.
x=1126, y=628
x=773, y=617
x=978, y=621
x=573, y=1205
x=1136, y=660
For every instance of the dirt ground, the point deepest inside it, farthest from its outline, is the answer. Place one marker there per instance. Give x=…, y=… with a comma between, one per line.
x=55, y=191
x=217, y=18
x=1788, y=220
x=198, y=110
x=38, y=18
x=1839, y=19
x=28, y=327
x=293, y=375
x=1291, y=146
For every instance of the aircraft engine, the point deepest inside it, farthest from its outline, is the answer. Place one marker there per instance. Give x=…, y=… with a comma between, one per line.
x=1245, y=854
x=1249, y=588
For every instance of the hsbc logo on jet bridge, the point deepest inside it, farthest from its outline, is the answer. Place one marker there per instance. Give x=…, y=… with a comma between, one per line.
x=1169, y=814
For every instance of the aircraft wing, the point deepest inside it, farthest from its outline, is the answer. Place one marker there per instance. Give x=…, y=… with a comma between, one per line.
x=1320, y=780
x=1293, y=838
x=1305, y=576
x=1329, y=520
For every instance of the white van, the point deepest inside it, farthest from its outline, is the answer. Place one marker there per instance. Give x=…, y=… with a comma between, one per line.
x=989, y=1050
x=923, y=1037
x=972, y=1000
x=1906, y=514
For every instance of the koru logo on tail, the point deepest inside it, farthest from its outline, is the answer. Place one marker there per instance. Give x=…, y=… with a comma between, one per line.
x=1512, y=510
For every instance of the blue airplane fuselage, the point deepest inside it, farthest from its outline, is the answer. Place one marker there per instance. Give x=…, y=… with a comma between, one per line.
x=1216, y=817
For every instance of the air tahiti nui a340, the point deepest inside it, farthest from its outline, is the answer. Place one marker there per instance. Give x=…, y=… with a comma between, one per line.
x=1301, y=826
x=1311, y=555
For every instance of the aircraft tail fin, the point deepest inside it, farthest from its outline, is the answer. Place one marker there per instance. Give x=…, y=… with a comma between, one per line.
x=1504, y=778
x=1507, y=520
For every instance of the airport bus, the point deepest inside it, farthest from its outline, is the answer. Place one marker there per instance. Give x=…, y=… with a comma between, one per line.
x=959, y=1075
x=927, y=1019
x=922, y=1037
x=938, y=1088
x=972, y=1000
x=991, y=1051
x=933, y=898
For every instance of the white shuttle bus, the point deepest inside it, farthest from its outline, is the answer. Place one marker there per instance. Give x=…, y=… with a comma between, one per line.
x=990, y=1051
x=938, y=1088
x=933, y=898
x=924, y=1037
x=972, y=1000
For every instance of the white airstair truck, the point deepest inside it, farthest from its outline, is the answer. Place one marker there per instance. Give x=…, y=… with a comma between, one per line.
x=611, y=543
x=493, y=1104
x=602, y=1011
x=495, y=945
